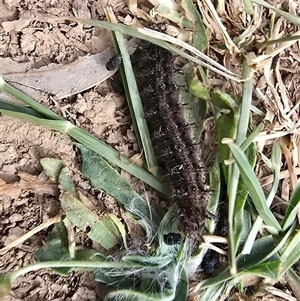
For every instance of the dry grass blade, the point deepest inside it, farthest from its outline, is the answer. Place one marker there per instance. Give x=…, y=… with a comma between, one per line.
x=292, y=18
x=51, y=221
x=228, y=41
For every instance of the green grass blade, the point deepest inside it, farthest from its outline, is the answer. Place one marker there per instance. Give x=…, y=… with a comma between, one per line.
x=294, y=282
x=279, y=243
x=28, y=100
x=269, y=270
x=253, y=186
x=236, y=205
x=282, y=40
x=135, y=105
x=173, y=16
x=96, y=145
x=248, y=7
x=292, y=18
x=275, y=163
x=182, y=288
x=293, y=208
x=252, y=136
x=291, y=254
x=213, y=293
x=12, y=107
x=213, y=201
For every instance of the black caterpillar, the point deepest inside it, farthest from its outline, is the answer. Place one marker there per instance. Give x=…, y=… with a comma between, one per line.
x=170, y=134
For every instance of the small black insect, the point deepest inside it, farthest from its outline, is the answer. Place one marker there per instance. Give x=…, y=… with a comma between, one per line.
x=210, y=262
x=222, y=225
x=113, y=63
x=172, y=238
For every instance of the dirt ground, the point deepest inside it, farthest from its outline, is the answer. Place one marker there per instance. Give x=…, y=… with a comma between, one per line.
x=29, y=199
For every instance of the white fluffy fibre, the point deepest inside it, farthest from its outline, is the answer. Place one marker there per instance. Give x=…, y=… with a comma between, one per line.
x=160, y=281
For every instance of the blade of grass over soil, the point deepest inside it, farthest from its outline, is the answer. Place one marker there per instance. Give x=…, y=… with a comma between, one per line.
x=28, y=100
x=12, y=107
x=95, y=144
x=159, y=39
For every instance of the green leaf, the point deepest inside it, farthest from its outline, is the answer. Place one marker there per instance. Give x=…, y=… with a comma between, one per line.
x=56, y=248
x=253, y=186
x=198, y=89
x=66, y=183
x=241, y=197
x=275, y=165
x=194, y=108
x=182, y=288
x=248, y=7
x=213, y=292
x=5, y=285
x=261, y=249
x=214, y=198
x=233, y=182
x=103, y=176
x=226, y=126
x=294, y=282
x=174, y=16
x=102, y=230
x=269, y=270
x=121, y=228
x=291, y=253
x=200, y=40
x=223, y=100
x=52, y=168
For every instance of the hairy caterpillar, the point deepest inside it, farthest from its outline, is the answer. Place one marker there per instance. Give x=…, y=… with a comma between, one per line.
x=171, y=138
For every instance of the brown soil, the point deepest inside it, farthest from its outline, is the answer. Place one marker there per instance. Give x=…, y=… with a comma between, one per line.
x=28, y=198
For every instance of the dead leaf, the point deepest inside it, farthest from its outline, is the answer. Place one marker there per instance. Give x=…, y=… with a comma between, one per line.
x=28, y=182
x=66, y=80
